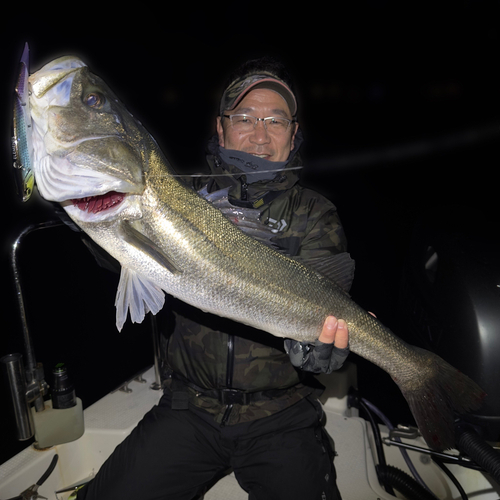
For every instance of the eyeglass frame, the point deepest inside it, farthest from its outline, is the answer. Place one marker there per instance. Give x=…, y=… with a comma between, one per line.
x=262, y=120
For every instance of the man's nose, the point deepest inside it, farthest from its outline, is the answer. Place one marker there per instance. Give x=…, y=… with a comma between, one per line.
x=259, y=134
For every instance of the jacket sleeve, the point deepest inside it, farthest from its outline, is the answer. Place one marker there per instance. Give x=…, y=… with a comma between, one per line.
x=324, y=239
x=324, y=235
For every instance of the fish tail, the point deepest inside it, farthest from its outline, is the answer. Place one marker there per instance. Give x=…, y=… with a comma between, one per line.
x=436, y=399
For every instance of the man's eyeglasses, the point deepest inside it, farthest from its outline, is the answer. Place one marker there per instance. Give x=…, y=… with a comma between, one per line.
x=246, y=123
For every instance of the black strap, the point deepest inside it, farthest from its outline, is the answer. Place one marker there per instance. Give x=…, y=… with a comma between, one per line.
x=180, y=395
x=225, y=396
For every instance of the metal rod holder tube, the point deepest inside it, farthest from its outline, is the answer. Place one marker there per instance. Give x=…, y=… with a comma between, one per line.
x=28, y=344
x=12, y=366
x=34, y=385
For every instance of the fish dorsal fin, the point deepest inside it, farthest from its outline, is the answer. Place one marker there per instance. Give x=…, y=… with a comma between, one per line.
x=137, y=295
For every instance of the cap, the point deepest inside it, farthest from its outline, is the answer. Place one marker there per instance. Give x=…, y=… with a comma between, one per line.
x=241, y=86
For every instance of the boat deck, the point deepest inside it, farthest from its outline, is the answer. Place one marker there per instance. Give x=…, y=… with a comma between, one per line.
x=111, y=419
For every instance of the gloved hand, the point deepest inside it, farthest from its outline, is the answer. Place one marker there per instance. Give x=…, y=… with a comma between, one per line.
x=326, y=354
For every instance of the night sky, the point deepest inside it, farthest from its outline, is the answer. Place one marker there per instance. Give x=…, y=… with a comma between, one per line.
x=399, y=108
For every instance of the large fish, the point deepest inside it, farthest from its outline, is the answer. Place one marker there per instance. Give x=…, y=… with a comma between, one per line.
x=104, y=168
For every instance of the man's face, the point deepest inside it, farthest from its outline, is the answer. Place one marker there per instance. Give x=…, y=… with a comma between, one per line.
x=260, y=103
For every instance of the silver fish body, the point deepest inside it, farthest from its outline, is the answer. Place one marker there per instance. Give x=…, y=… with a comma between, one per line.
x=99, y=162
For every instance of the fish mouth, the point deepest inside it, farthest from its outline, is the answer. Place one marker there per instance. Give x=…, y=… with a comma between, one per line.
x=108, y=207
x=99, y=203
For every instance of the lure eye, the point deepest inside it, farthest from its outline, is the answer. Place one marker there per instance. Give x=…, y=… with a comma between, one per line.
x=94, y=100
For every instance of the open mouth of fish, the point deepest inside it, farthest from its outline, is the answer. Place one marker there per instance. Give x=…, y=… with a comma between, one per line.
x=104, y=207
x=100, y=203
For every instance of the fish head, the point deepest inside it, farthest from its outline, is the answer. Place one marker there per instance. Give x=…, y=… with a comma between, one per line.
x=89, y=152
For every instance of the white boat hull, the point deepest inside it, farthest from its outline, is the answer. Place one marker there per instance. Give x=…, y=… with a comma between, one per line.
x=111, y=419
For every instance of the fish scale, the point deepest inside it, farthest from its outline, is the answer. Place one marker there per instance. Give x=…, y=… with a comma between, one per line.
x=169, y=239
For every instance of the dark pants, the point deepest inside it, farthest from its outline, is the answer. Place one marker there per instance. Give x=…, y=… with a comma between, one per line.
x=174, y=454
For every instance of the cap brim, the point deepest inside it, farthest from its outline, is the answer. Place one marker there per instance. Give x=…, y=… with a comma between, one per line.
x=267, y=83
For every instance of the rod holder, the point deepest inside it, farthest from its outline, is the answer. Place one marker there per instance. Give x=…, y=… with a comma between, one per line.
x=26, y=384
x=12, y=367
x=54, y=426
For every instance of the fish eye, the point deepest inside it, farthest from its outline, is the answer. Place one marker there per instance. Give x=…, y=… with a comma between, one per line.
x=94, y=100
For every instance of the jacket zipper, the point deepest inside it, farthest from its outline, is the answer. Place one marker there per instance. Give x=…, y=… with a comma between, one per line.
x=229, y=375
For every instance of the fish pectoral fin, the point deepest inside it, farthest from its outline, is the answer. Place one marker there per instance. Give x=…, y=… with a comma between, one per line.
x=142, y=243
x=137, y=295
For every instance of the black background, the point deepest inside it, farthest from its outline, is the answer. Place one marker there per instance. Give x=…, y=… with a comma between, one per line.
x=400, y=112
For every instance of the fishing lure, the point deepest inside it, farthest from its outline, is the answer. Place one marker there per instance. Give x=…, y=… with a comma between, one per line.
x=22, y=146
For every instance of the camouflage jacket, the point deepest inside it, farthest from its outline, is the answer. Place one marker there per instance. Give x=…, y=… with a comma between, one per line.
x=202, y=352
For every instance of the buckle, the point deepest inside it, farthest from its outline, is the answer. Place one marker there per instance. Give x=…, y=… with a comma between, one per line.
x=234, y=396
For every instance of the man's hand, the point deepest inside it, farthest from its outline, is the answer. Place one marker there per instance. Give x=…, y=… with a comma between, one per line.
x=325, y=355
x=335, y=332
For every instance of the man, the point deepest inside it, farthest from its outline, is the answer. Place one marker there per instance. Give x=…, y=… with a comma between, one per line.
x=236, y=397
